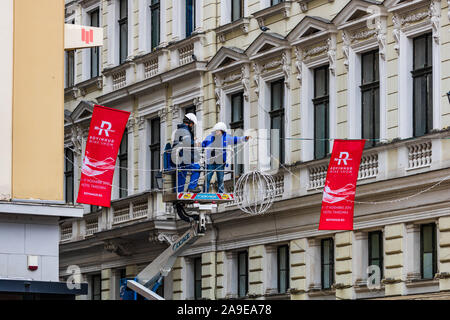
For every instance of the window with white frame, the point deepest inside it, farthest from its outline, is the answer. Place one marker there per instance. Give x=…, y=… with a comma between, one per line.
x=428, y=251
x=155, y=149
x=370, y=97
x=277, y=122
x=237, y=129
x=69, y=175
x=376, y=253
x=242, y=259
x=237, y=9
x=197, y=278
x=321, y=103
x=123, y=166
x=155, y=18
x=96, y=285
x=422, y=75
x=283, y=268
x=94, y=17
x=70, y=66
x=190, y=17
x=123, y=30
x=327, y=263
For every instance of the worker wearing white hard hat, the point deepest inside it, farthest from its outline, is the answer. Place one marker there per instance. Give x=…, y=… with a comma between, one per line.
x=184, y=154
x=216, y=155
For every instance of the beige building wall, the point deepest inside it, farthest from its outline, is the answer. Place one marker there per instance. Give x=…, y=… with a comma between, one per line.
x=6, y=59
x=37, y=171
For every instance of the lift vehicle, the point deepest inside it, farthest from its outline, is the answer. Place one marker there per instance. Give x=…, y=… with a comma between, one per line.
x=190, y=207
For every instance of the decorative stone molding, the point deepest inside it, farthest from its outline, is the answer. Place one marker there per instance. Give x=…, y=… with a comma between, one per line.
x=245, y=72
x=121, y=249
x=77, y=139
x=286, y=66
x=435, y=13
x=198, y=103
x=298, y=63
x=218, y=90
x=242, y=24
x=283, y=7
x=140, y=123
x=315, y=51
x=232, y=77
x=346, y=47
x=256, y=78
x=397, y=30
x=175, y=110
x=162, y=114
x=448, y=9
x=381, y=38
x=331, y=52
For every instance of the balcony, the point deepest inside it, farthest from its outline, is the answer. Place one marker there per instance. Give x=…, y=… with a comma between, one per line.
x=146, y=206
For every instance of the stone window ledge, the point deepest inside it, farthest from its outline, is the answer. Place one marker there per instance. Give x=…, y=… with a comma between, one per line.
x=242, y=24
x=282, y=7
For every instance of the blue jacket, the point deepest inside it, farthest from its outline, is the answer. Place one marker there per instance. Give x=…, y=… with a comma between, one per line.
x=185, y=136
x=212, y=155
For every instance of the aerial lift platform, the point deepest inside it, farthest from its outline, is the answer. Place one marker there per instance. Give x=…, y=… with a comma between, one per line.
x=199, y=205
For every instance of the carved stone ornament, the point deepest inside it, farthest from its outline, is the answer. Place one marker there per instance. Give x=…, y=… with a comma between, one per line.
x=397, y=30
x=298, y=64
x=198, y=103
x=381, y=39
x=77, y=139
x=256, y=78
x=162, y=114
x=245, y=72
x=346, y=47
x=331, y=55
x=218, y=90
x=286, y=66
x=175, y=110
x=435, y=13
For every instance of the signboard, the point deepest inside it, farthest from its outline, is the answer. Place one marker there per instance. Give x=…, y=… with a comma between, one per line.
x=205, y=196
x=340, y=185
x=105, y=134
x=79, y=37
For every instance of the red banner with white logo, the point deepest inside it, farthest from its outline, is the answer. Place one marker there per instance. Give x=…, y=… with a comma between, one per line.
x=102, y=146
x=340, y=186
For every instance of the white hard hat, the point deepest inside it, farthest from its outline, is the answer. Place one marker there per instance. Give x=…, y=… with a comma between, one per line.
x=191, y=117
x=220, y=126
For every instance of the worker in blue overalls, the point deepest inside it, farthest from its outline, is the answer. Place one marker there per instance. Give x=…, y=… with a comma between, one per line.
x=187, y=160
x=216, y=154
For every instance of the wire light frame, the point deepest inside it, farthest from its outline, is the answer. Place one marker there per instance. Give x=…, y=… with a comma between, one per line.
x=255, y=192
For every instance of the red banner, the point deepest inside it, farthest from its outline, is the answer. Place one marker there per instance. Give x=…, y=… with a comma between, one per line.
x=102, y=146
x=340, y=186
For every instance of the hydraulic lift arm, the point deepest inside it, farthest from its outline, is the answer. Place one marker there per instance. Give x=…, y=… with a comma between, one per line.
x=163, y=264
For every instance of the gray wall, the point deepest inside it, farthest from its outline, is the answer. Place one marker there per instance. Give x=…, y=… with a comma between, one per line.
x=21, y=236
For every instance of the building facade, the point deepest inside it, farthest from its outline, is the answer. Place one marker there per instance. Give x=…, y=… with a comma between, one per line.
x=31, y=137
x=321, y=70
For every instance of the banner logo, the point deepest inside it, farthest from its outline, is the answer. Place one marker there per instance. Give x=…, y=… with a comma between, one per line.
x=102, y=147
x=340, y=185
x=343, y=156
x=103, y=129
x=87, y=36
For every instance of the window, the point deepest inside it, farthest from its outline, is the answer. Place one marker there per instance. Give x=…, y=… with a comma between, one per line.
x=277, y=122
x=370, y=97
x=274, y=2
x=190, y=109
x=198, y=278
x=283, y=268
x=422, y=85
x=123, y=31
x=237, y=127
x=70, y=68
x=376, y=250
x=123, y=165
x=155, y=10
x=428, y=251
x=327, y=263
x=242, y=273
x=95, y=56
x=95, y=208
x=68, y=175
x=190, y=17
x=155, y=148
x=96, y=287
x=321, y=115
x=237, y=9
